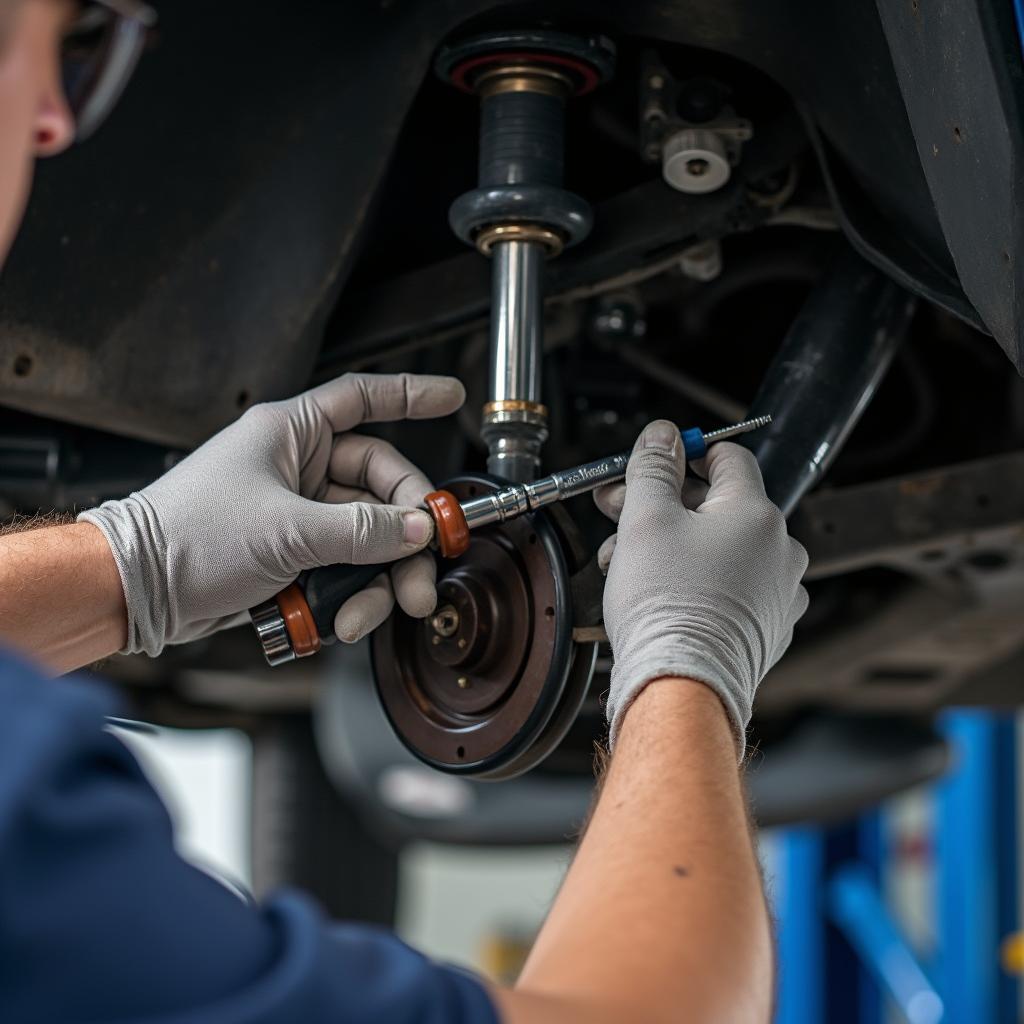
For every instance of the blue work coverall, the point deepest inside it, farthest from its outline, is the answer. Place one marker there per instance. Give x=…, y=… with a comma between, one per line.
x=101, y=921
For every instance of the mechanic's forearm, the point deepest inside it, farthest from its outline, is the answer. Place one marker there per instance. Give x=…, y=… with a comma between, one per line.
x=662, y=915
x=61, y=600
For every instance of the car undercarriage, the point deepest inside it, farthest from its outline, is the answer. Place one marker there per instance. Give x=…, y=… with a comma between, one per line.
x=802, y=209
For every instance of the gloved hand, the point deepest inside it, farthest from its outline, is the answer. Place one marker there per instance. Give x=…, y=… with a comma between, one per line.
x=703, y=581
x=283, y=489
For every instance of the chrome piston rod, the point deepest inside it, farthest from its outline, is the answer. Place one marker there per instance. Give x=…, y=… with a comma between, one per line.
x=516, y=325
x=515, y=421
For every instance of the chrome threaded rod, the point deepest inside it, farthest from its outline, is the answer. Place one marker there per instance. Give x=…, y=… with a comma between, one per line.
x=724, y=433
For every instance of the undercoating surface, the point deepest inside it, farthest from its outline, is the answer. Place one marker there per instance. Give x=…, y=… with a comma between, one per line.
x=194, y=250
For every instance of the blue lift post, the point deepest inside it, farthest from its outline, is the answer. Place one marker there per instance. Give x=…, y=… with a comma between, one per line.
x=976, y=867
x=841, y=953
x=797, y=866
x=819, y=980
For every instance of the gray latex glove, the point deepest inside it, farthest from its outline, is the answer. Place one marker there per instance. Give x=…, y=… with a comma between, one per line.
x=283, y=489
x=703, y=580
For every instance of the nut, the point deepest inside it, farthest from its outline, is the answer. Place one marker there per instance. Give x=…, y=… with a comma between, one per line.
x=445, y=622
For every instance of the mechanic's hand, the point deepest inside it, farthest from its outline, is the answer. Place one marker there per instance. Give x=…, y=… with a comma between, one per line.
x=283, y=489
x=703, y=581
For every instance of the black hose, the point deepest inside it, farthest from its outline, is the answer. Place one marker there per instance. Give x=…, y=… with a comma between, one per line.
x=825, y=374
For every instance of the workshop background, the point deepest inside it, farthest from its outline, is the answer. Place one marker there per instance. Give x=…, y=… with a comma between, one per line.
x=915, y=907
x=801, y=208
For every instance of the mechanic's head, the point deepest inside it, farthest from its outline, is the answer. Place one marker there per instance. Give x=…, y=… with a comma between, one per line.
x=63, y=66
x=35, y=119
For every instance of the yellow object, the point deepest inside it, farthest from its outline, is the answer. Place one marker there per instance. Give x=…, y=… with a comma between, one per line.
x=502, y=956
x=1012, y=953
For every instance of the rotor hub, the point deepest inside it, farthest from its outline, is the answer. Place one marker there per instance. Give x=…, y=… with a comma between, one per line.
x=474, y=689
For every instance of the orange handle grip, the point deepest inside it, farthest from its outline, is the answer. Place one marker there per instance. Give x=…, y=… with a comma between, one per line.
x=299, y=621
x=309, y=605
x=450, y=527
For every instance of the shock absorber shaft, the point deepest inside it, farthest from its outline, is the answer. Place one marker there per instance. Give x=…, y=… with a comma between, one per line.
x=522, y=140
x=516, y=322
x=515, y=419
x=520, y=214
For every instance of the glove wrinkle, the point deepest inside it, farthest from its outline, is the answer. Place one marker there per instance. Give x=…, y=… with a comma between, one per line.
x=709, y=595
x=237, y=520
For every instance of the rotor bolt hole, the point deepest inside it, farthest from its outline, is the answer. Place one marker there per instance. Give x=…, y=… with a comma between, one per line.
x=461, y=752
x=243, y=399
x=472, y=492
x=22, y=365
x=533, y=538
x=957, y=134
x=446, y=622
x=549, y=612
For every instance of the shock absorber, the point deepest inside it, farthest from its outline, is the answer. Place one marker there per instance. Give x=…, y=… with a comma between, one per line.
x=520, y=214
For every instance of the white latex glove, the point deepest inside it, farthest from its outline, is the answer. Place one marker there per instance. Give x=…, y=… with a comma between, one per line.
x=703, y=581
x=283, y=489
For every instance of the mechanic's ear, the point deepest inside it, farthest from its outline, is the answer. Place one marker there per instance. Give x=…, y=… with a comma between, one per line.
x=54, y=124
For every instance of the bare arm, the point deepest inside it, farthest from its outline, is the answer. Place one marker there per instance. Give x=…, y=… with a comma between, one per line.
x=61, y=600
x=661, y=917
x=289, y=486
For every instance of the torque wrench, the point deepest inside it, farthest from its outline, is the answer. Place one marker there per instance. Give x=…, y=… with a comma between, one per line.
x=300, y=620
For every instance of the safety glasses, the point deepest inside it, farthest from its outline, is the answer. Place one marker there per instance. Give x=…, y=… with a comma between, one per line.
x=99, y=55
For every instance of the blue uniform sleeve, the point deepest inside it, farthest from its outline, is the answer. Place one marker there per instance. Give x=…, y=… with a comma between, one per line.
x=100, y=920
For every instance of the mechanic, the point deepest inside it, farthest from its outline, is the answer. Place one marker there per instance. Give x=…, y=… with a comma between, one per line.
x=661, y=916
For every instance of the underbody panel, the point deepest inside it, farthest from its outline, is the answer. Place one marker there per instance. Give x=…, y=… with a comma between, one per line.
x=194, y=251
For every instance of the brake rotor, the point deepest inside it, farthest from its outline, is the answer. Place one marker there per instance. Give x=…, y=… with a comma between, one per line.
x=489, y=684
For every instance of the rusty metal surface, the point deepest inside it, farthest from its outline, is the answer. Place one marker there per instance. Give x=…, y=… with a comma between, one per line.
x=921, y=523
x=915, y=652
x=949, y=627
x=181, y=265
